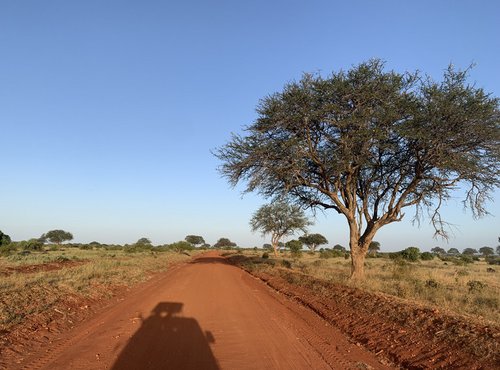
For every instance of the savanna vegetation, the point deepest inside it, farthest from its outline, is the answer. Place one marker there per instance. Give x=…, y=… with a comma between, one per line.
x=459, y=284
x=368, y=144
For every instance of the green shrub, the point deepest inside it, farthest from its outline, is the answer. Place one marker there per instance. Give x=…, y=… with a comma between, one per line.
x=31, y=245
x=411, y=254
x=492, y=260
x=7, y=249
x=286, y=263
x=265, y=255
x=181, y=246
x=330, y=253
x=86, y=247
x=295, y=247
x=427, y=256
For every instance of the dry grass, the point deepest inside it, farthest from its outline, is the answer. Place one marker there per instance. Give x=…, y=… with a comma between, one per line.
x=468, y=290
x=27, y=294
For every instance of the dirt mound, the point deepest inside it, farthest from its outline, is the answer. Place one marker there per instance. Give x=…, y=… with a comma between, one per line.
x=415, y=337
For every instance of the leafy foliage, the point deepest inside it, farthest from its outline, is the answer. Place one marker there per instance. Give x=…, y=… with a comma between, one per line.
x=453, y=251
x=368, y=143
x=486, y=251
x=279, y=219
x=224, y=242
x=57, y=236
x=4, y=239
x=411, y=254
x=469, y=251
x=312, y=241
x=295, y=247
x=194, y=239
x=438, y=250
x=427, y=256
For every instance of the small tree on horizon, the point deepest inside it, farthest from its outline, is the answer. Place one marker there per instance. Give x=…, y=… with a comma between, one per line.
x=195, y=239
x=279, y=219
x=486, y=251
x=143, y=242
x=438, y=250
x=374, y=248
x=453, y=251
x=224, y=242
x=312, y=241
x=469, y=251
x=57, y=236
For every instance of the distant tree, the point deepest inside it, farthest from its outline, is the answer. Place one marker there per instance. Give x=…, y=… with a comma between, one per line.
x=279, y=219
x=267, y=246
x=338, y=247
x=143, y=241
x=95, y=243
x=374, y=247
x=4, y=239
x=195, y=239
x=224, y=242
x=295, y=247
x=498, y=247
x=486, y=251
x=411, y=254
x=180, y=246
x=57, y=236
x=469, y=251
x=453, y=251
x=438, y=250
x=312, y=241
x=369, y=143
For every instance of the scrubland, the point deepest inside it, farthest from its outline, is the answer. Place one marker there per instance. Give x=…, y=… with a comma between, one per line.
x=40, y=282
x=470, y=289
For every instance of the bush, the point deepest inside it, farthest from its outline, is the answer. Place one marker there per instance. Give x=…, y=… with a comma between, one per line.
x=475, y=286
x=31, y=245
x=7, y=249
x=492, y=260
x=265, y=255
x=86, y=247
x=411, y=254
x=431, y=283
x=427, y=256
x=286, y=263
x=329, y=253
x=295, y=247
x=181, y=246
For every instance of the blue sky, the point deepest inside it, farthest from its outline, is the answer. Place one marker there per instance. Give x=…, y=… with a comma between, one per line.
x=109, y=109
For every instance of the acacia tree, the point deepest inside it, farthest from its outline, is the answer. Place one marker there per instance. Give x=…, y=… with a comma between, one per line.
x=57, y=236
x=313, y=240
x=368, y=143
x=224, y=242
x=195, y=239
x=279, y=219
x=486, y=251
x=374, y=247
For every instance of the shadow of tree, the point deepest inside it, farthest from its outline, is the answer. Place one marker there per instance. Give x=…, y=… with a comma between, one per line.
x=167, y=341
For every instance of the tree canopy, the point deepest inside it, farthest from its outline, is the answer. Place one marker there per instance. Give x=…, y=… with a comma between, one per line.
x=469, y=251
x=224, y=242
x=486, y=251
x=279, y=219
x=194, y=239
x=4, y=239
x=438, y=250
x=143, y=241
x=369, y=143
x=313, y=240
x=57, y=236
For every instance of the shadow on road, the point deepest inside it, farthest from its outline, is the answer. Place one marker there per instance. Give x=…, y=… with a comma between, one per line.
x=167, y=341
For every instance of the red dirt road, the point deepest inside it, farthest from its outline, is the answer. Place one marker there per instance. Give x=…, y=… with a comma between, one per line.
x=205, y=314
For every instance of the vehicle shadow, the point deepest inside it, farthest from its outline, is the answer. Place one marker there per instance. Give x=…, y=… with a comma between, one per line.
x=167, y=341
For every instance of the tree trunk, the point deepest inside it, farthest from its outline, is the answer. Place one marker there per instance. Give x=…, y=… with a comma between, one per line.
x=357, y=263
x=274, y=242
x=359, y=248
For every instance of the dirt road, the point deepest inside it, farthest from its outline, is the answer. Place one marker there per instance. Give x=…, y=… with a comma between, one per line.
x=206, y=314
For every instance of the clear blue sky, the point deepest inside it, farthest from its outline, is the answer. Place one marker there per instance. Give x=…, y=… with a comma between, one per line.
x=109, y=109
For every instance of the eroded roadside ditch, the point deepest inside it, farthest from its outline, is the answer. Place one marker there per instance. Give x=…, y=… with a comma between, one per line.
x=407, y=334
